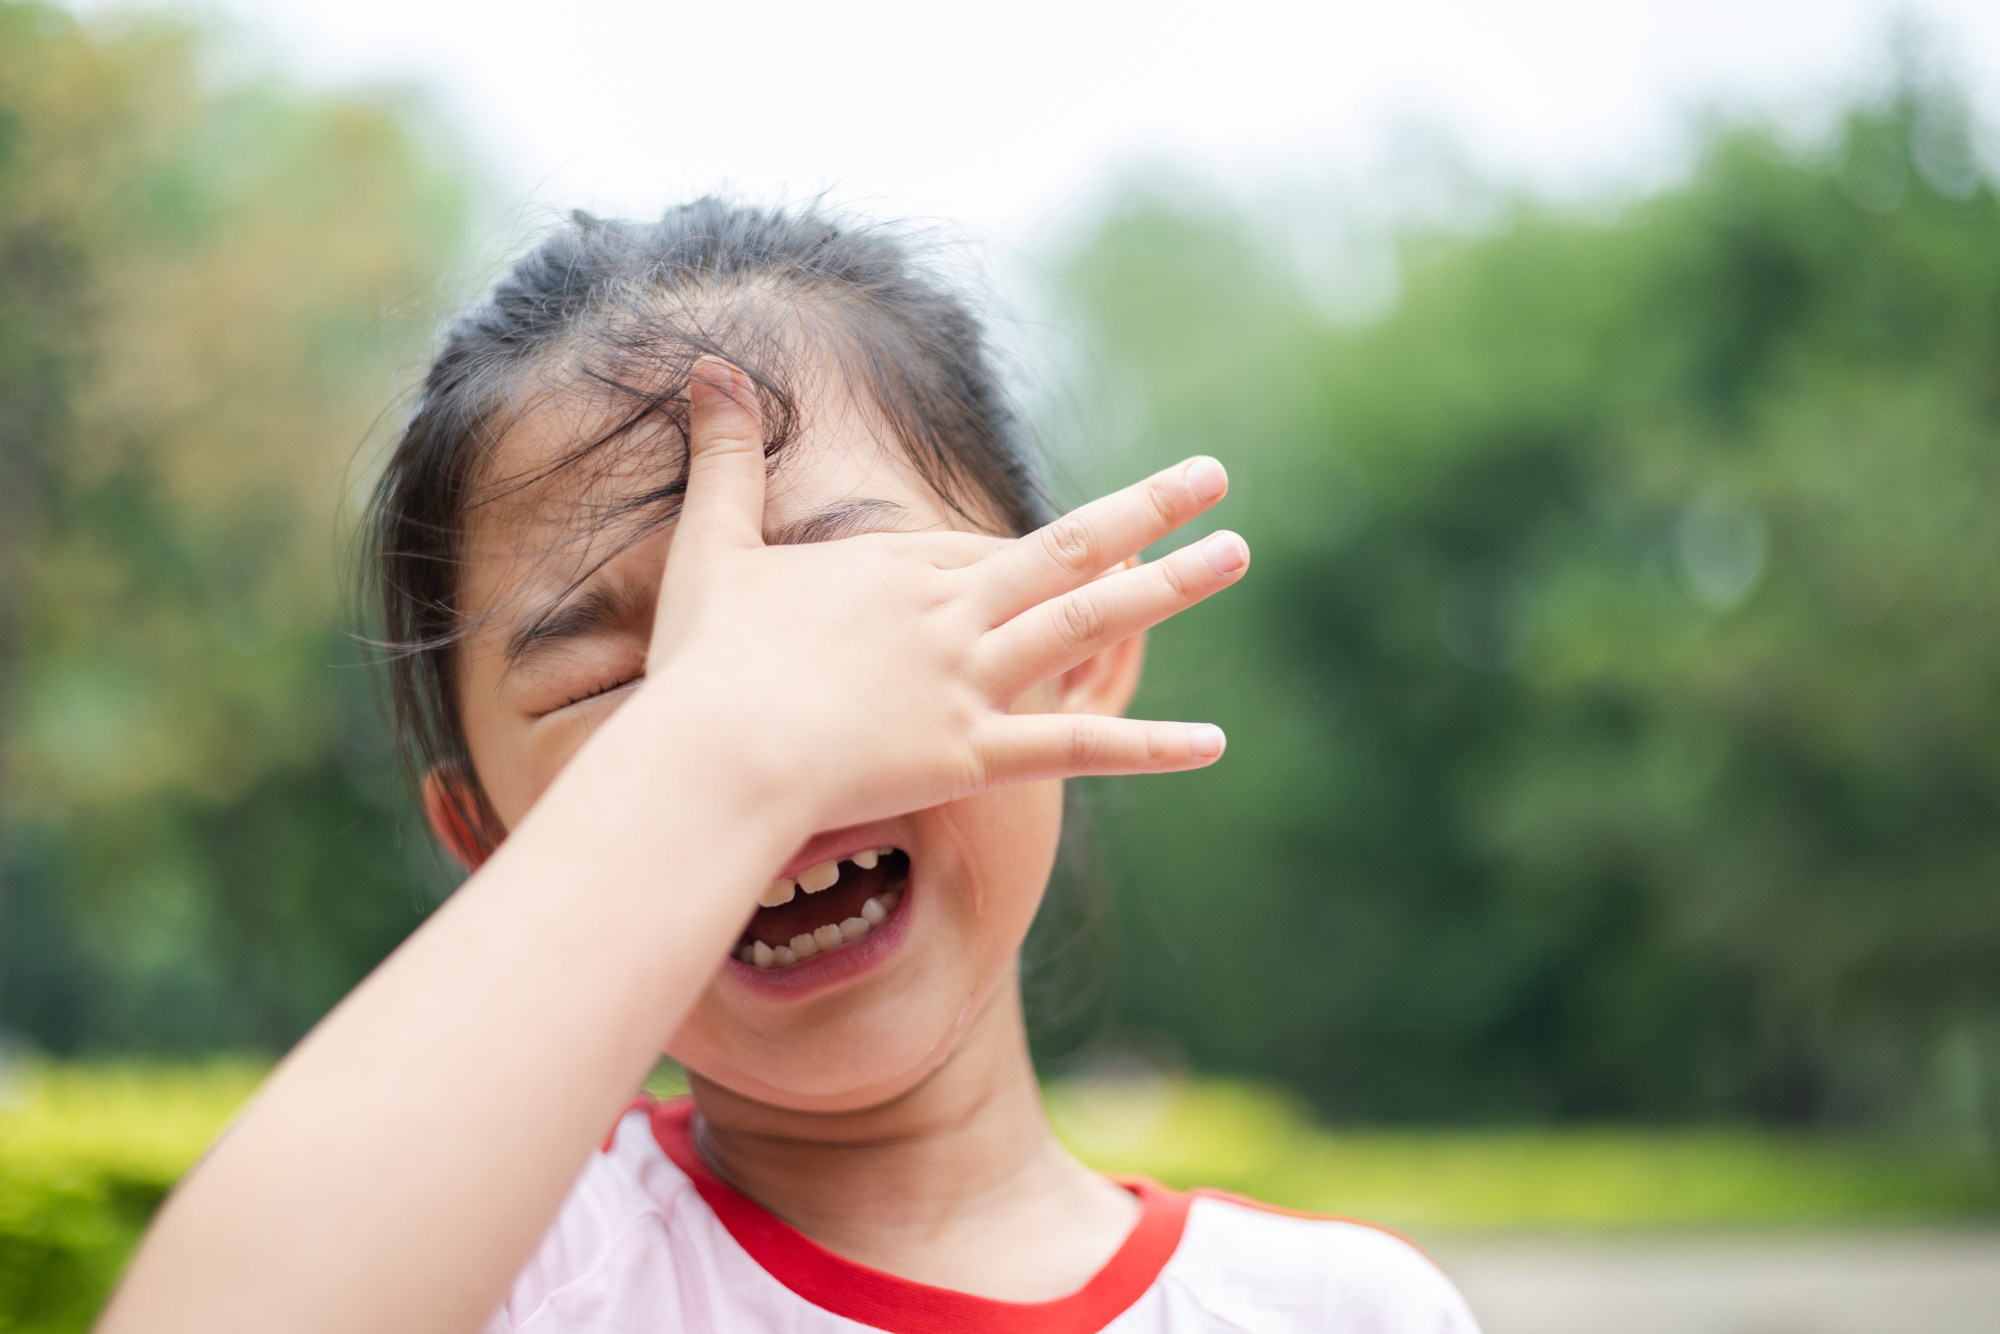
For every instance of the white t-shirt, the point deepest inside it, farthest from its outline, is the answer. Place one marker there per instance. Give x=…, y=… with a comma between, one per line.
x=651, y=1241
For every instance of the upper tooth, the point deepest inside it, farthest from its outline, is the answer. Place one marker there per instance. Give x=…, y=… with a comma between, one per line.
x=780, y=893
x=866, y=860
x=815, y=878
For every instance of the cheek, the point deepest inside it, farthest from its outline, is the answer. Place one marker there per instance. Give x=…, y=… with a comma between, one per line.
x=517, y=760
x=1001, y=847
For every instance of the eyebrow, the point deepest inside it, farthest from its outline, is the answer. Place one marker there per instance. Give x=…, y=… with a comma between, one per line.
x=607, y=607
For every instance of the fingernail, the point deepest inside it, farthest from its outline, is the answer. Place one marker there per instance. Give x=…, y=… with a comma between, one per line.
x=1206, y=478
x=1205, y=740
x=1225, y=553
x=713, y=378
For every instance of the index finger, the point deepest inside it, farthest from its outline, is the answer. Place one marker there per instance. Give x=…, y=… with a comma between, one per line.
x=1091, y=539
x=724, y=505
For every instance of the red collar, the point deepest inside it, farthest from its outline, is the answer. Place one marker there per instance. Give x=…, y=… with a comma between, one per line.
x=834, y=1283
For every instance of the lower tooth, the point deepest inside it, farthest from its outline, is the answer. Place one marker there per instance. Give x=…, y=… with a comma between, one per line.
x=804, y=946
x=854, y=928
x=783, y=956
x=761, y=955
x=873, y=912
x=827, y=936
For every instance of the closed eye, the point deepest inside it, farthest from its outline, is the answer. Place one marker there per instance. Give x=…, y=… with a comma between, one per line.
x=571, y=701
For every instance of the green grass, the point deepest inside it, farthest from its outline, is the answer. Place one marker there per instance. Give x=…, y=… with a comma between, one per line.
x=88, y=1151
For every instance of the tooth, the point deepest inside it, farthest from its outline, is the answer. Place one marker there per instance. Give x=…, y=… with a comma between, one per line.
x=804, y=946
x=744, y=954
x=779, y=894
x=873, y=912
x=866, y=860
x=815, y=878
x=761, y=954
x=891, y=899
x=827, y=936
x=784, y=956
x=853, y=928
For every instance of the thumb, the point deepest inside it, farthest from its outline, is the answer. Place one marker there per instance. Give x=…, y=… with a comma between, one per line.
x=725, y=479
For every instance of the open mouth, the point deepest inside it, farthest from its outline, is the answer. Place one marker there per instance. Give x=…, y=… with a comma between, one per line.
x=829, y=905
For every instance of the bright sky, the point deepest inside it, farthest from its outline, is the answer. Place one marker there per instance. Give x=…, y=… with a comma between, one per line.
x=1008, y=117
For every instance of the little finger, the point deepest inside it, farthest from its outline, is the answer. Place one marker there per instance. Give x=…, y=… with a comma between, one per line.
x=1025, y=748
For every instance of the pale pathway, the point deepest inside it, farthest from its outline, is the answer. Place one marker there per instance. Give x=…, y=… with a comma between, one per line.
x=1898, y=1282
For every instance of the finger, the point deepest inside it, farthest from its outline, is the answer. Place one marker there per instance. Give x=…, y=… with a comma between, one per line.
x=725, y=481
x=1024, y=748
x=1089, y=540
x=956, y=550
x=1054, y=636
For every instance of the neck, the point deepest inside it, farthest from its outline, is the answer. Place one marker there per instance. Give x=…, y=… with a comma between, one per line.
x=958, y=1182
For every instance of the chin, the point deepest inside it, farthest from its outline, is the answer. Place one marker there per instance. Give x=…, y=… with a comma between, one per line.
x=849, y=1062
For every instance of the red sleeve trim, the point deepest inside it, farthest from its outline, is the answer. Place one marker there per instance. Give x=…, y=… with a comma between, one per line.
x=837, y=1284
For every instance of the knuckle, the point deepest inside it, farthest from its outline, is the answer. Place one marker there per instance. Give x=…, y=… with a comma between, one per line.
x=1166, y=505
x=1175, y=579
x=1070, y=542
x=1079, y=621
x=1086, y=745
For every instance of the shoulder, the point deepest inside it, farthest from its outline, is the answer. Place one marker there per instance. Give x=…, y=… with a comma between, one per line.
x=616, y=1228
x=1272, y=1269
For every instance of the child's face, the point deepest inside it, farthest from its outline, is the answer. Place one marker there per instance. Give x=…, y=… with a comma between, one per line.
x=866, y=1018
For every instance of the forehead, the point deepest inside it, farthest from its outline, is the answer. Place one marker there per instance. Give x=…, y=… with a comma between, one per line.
x=540, y=518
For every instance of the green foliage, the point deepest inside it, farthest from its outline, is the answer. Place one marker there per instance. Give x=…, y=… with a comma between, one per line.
x=1612, y=709
x=86, y=1156
x=204, y=300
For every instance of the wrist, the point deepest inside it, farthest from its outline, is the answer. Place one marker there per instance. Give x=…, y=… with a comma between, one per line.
x=712, y=746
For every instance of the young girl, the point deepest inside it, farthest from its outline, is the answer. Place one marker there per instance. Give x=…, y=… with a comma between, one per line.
x=744, y=676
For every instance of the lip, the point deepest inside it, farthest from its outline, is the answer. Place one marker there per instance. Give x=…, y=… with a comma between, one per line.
x=840, y=844
x=811, y=976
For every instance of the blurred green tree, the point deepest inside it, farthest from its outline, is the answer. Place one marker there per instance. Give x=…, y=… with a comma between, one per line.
x=205, y=297
x=1613, y=706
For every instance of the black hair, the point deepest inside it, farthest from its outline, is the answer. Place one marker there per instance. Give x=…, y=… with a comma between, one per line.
x=620, y=312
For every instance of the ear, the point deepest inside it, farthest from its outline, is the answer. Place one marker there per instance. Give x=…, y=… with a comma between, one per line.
x=452, y=809
x=1104, y=684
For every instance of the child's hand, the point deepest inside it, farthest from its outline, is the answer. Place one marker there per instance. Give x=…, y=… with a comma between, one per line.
x=864, y=678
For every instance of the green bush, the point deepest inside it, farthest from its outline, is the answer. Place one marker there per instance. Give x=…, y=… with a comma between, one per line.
x=1262, y=1143
x=86, y=1155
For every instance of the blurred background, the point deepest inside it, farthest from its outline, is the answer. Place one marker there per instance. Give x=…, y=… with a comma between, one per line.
x=1605, y=879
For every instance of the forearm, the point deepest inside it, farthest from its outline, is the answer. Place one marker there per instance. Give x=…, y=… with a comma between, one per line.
x=403, y=1160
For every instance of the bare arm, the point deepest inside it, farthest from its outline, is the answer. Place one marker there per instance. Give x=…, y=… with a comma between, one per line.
x=402, y=1161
